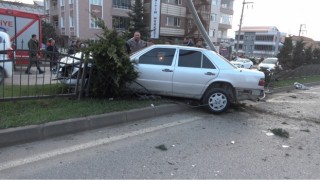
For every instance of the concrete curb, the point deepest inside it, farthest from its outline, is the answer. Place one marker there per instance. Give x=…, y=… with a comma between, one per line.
x=30, y=133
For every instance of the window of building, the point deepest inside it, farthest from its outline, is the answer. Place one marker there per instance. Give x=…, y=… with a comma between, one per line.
x=214, y=2
x=93, y=23
x=213, y=17
x=226, y=19
x=176, y=2
x=158, y=56
x=264, y=38
x=173, y=21
x=96, y=2
x=70, y=1
x=62, y=2
x=70, y=21
x=62, y=21
x=264, y=47
x=122, y=4
x=120, y=23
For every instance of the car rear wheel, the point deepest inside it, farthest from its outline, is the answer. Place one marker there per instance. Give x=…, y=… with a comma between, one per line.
x=1, y=75
x=216, y=100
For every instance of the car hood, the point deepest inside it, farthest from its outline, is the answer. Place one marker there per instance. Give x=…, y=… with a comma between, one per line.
x=236, y=63
x=72, y=59
x=268, y=66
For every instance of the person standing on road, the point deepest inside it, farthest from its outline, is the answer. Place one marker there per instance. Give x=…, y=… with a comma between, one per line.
x=33, y=46
x=53, y=54
x=187, y=42
x=135, y=43
x=72, y=48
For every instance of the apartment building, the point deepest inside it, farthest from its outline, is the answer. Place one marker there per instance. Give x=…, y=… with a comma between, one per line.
x=259, y=41
x=75, y=19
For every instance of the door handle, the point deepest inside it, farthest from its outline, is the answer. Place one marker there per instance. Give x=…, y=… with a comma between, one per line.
x=209, y=73
x=167, y=70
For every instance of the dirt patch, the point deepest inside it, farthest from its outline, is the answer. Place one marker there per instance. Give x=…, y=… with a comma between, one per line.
x=305, y=70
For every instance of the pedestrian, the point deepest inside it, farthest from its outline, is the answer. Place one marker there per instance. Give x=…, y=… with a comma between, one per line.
x=135, y=43
x=33, y=46
x=199, y=44
x=187, y=42
x=53, y=54
x=72, y=48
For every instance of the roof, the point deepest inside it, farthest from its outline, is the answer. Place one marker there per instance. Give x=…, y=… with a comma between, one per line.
x=259, y=28
x=309, y=42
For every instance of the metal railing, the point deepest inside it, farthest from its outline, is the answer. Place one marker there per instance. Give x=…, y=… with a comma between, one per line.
x=16, y=84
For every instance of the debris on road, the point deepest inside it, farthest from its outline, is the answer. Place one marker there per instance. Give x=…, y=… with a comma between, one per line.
x=232, y=142
x=285, y=146
x=162, y=147
x=280, y=132
x=300, y=86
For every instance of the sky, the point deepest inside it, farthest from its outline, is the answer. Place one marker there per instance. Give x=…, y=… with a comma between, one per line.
x=286, y=15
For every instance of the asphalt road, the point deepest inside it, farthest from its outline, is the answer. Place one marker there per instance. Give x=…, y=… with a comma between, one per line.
x=198, y=145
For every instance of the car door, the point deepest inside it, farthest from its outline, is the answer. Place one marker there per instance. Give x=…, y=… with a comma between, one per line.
x=156, y=69
x=192, y=73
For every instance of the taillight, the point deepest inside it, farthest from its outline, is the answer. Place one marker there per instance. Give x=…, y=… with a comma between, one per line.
x=262, y=82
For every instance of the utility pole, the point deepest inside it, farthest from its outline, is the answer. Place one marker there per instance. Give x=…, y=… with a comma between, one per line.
x=200, y=25
x=238, y=38
x=300, y=30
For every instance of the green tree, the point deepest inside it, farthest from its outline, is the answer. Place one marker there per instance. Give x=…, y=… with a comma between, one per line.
x=285, y=55
x=308, y=55
x=136, y=20
x=316, y=56
x=111, y=67
x=298, y=54
x=48, y=31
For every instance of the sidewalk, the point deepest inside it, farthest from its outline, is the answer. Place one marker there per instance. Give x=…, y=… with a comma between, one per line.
x=20, y=78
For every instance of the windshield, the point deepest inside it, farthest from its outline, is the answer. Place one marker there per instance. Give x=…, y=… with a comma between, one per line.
x=270, y=61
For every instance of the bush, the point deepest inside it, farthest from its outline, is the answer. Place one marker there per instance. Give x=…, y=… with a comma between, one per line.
x=111, y=66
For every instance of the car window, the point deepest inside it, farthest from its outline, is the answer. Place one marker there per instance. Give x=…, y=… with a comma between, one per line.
x=194, y=59
x=206, y=63
x=158, y=56
x=189, y=58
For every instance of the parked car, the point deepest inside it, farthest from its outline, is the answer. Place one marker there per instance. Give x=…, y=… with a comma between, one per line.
x=243, y=63
x=68, y=68
x=268, y=64
x=195, y=73
x=186, y=72
x=6, y=65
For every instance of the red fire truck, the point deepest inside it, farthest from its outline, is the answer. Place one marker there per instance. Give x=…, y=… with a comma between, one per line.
x=20, y=26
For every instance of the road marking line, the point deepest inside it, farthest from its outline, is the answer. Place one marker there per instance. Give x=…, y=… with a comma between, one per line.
x=35, y=158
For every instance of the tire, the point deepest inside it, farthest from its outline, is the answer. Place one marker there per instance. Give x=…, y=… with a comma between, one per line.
x=216, y=100
x=1, y=76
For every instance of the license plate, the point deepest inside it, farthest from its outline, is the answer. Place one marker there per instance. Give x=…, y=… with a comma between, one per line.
x=256, y=92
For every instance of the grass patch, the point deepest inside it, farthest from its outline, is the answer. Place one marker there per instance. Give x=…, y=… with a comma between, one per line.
x=290, y=81
x=30, y=112
x=31, y=90
x=280, y=132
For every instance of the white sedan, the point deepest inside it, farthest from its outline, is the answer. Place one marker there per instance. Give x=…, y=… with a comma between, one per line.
x=195, y=73
x=243, y=63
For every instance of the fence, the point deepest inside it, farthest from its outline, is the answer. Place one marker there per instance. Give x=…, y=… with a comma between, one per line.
x=60, y=78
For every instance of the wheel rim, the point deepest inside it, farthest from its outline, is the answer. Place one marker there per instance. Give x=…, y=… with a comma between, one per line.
x=217, y=101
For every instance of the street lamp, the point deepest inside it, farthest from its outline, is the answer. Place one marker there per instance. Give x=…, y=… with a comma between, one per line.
x=238, y=38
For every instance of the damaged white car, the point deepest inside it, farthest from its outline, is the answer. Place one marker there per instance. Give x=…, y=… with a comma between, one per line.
x=187, y=72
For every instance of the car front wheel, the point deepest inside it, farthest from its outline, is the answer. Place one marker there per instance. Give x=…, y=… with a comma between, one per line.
x=216, y=100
